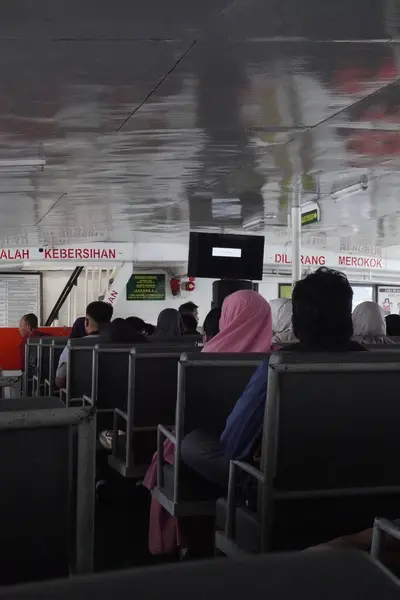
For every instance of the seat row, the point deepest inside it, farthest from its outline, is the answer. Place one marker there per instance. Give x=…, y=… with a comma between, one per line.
x=330, y=453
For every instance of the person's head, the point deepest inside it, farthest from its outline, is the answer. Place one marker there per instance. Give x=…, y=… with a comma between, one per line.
x=369, y=325
x=27, y=324
x=190, y=308
x=98, y=316
x=149, y=329
x=189, y=324
x=281, y=311
x=120, y=331
x=137, y=324
x=322, y=304
x=211, y=324
x=78, y=328
x=393, y=325
x=245, y=324
x=169, y=324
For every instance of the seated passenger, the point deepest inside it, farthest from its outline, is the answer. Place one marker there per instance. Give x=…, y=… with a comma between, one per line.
x=28, y=327
x=189, y=308
x=322, y=323
x=393, y=325
x=169, y=325
x=78, y=329
x=189, y=325
x=137, y=324
x=282, y=331
x=245, y=326
x=211, y=324
x=149, y=329
x=369, y=324
x=120, y=331
x=98, y=316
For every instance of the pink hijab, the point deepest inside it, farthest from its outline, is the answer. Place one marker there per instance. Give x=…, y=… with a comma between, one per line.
x=245, y=324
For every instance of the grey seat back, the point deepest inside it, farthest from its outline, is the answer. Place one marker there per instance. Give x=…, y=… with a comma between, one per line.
x=151, y=400
x=330, y=459
x=30, y=364
x=334, y=575
x=149, y=377
x=154, y=385
x=184, y=340
x=334, y=419
x=386, y=347
x=44, y=352
x=210, y=385
x=80, y=367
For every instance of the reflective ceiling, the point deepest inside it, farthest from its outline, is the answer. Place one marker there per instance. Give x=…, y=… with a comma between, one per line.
x=157, y=116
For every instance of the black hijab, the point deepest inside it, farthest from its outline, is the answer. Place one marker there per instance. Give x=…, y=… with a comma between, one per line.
x=169, y=324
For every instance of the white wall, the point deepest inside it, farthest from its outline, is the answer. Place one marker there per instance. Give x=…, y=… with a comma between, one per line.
x=202, y=296
x=53, y=283
x=149, y=311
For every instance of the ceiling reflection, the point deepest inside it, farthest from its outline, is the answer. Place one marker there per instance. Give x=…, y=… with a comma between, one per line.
x=155, y=119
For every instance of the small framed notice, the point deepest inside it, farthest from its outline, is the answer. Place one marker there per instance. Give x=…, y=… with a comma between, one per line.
x=141, y=287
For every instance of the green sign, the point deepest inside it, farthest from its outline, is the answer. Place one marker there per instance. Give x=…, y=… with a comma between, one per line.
x=309, y=217
x=146, y=287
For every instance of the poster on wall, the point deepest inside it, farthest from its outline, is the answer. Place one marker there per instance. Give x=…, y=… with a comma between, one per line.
x=389, y=300
x=142, y=287
x=19, y=295
x=285, y=290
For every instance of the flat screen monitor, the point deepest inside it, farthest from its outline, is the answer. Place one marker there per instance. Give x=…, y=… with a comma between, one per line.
x=226, y=256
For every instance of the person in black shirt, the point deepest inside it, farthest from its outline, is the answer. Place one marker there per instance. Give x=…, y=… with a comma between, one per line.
x=322, y=322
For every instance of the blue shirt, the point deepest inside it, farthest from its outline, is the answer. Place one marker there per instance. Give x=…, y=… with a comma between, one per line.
x=245, y=423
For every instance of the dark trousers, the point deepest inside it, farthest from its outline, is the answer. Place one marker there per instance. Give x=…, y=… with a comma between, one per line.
x=202, y=451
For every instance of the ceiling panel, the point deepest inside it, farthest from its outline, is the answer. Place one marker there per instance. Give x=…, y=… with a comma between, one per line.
x=160, y=116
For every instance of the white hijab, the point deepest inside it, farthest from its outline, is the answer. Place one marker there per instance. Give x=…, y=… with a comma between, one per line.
x=281, y=311
x=369, y=325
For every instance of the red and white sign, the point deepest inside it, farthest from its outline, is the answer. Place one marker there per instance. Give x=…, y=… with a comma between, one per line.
x=361, y=262
x=15, y=254
x=79, y=253
x=48, y=254
x=317, y=260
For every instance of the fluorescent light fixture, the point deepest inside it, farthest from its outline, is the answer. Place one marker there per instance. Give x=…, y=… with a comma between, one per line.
x=256, y=223
x=21, y=163
x=227, y=252
x=351, y=190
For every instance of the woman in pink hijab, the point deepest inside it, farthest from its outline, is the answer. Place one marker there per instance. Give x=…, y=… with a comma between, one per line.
x=245, y=326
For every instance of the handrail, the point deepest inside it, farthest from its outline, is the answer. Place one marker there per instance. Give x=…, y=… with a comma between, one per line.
x=63, y=296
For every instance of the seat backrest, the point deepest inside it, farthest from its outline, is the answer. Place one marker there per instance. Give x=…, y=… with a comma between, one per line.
x=45, y=346
x=385, y=347
x=209, y=386
x=113, y=373
x=333, y=419
x=80, y=366
x=32, y=347
x=184, y=340
x=154, y=386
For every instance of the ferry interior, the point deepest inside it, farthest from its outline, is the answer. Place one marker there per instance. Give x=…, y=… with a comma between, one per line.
x=124, y=128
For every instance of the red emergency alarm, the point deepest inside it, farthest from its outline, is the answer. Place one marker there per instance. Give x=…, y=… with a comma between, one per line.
x=175, y=284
